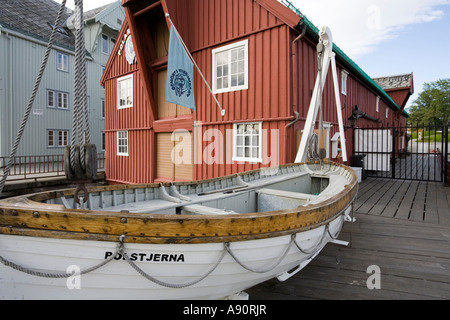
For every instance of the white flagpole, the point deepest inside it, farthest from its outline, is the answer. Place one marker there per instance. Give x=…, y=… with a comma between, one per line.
x=222, y=111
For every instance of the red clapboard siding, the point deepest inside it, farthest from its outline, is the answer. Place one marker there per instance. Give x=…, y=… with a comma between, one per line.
x=204, y=25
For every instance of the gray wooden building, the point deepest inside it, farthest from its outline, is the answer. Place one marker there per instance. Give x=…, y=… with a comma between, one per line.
x=25, y=28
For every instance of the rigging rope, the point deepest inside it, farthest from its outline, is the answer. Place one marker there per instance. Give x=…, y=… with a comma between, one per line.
x=32, y=97
x=80, y=158
x=80, y=132
x=59, y=275
x=171, y=285
x=227, y=249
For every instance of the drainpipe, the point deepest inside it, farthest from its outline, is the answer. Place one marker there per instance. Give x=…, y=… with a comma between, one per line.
x=294, y=77
x=294, y=88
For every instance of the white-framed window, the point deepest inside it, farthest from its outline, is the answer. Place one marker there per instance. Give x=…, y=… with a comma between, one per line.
x=387, y=113
x=122, y=143
x=51, y=99
x=125, y=92
x=378, y=104
x=57, y=138
x=62, y=62
x=344, y=76
x=51, y=138
x=247, y=142
x=63, y=100
x=107, y=44
x=57, y=100
x=230, y=67
x=63, y=138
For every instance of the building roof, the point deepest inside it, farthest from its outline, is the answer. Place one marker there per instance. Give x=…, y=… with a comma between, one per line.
x=111, y=15
x=92, y=13
x=401, y=81
x=35, y=18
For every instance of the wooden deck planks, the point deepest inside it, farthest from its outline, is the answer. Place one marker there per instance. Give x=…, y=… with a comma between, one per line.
x=404, y=208
x=414, y=259
x=419, y=204
x=404, y=199
x=374, y=195
x=442, y=204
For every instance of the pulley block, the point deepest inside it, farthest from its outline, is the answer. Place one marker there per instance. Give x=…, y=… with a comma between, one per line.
x=81, y=171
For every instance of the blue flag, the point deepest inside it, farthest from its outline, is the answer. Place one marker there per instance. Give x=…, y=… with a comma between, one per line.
x=180, y=74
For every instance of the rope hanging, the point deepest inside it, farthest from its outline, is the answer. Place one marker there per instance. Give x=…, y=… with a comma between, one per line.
x=80, y=107
x=33, y=96
x=227, y=249
x=80, y=158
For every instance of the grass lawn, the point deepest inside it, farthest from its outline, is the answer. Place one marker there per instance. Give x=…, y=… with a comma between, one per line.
x=429, y=136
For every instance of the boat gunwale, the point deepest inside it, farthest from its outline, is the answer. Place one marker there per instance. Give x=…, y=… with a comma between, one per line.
x=24, y=216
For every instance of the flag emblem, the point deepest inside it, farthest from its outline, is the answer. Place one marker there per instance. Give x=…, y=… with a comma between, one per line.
x=180, y=83
x=180, y=73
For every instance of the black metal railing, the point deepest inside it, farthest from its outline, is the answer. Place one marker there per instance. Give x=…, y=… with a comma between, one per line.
x=34, y=167
x=414, y=152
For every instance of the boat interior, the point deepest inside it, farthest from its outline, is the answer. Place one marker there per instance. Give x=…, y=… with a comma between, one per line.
x=258, y=191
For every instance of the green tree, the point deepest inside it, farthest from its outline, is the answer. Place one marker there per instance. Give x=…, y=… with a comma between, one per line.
x=433, y=104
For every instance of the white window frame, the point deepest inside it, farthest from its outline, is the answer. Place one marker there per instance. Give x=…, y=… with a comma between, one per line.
x=378, y=104
x=60, y=100
x=64, y=64
x=344, y=77
x=387, y=113
x=52, y=103
x=228, y=49
x=63, y=138
x=122, y=142
x=51, y=145
x=63, y=100
x=119, y=80
x=236, y=135
x=57, y=136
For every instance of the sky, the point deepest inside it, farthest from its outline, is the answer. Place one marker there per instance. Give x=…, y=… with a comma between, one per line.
x=384, y=37
x=87, y=4
x=389, y=37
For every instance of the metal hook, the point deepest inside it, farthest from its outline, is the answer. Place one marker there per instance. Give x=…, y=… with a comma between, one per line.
x=81, y=187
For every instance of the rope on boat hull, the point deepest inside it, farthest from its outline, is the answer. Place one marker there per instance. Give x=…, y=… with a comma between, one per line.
x=227, y=249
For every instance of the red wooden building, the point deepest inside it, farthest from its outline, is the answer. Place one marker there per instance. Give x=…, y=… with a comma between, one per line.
x=260, y=60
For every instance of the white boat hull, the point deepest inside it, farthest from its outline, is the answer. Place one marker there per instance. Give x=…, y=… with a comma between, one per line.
x=172, y=264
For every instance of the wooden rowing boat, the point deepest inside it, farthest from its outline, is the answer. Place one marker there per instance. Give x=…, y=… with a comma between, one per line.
x=195, y=240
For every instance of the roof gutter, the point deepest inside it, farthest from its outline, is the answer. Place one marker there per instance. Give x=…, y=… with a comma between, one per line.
x=32, y=39
x=35, y=40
